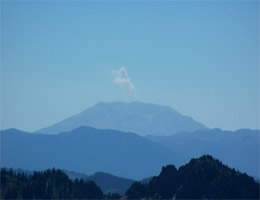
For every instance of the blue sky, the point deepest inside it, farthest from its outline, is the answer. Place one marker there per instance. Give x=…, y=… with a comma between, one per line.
x=61, y=57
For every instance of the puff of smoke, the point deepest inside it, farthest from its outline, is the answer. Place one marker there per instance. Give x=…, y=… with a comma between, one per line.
x=122, y=79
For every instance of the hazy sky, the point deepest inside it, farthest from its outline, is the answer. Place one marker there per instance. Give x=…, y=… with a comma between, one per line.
x=61, y=57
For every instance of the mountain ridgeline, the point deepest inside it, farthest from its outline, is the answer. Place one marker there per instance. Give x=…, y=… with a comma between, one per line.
x=86, y=150
x=202, y=178
x=136, y=117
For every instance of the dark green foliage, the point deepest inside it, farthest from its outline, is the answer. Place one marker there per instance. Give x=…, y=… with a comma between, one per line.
x=112, y=196
x=169, y=178
x=49, y=184
x=209, y=178
x=137, y=191
x=203, y=178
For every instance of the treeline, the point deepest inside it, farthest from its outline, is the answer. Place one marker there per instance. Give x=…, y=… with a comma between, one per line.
x=202, y=178
x=49, y=184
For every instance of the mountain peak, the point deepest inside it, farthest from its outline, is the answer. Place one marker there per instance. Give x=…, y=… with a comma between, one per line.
x=137, y=117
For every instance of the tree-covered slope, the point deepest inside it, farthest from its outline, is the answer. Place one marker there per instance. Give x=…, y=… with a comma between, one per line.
x=49, y=184
x=202, y=178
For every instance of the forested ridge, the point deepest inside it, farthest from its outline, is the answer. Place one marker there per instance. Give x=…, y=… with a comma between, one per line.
x=49, y=184
x=201, y=178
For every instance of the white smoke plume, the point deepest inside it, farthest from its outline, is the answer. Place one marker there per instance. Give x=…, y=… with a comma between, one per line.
x=122, y=79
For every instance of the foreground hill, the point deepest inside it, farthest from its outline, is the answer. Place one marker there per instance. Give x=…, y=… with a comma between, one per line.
x=239, y=149
x=86, y=150
x=136, y=117
x=202, y=178
x=50, y=184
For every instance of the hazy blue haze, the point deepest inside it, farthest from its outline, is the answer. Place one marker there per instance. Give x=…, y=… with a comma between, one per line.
x=201, y=58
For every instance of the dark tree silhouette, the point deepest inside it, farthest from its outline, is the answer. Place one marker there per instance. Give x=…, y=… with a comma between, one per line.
x=49, y=184
x=202, y=178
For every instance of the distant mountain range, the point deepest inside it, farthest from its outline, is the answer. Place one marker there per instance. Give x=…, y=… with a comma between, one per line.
x=161, y=136
x=137, y=117
x=202, y=178
x=238, y=149
x=86, y=150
